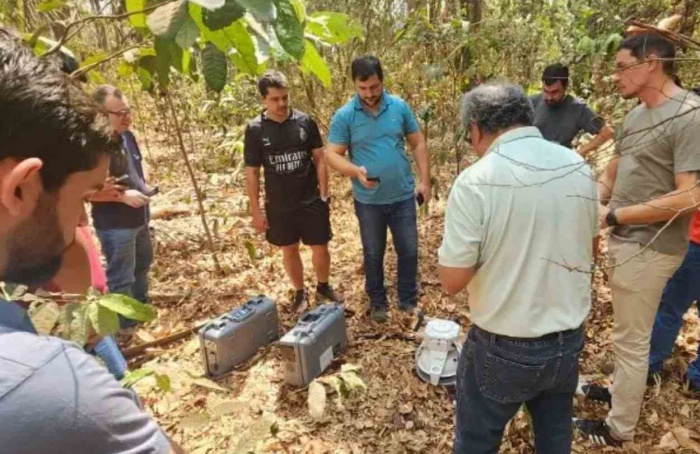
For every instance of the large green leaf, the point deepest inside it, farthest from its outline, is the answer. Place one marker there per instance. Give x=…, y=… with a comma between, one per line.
x=263, y=10
x=214, y=67
x=137, y=20
x=244, y=57
x=333, y=28
x=164, y=57
x=314, y=63
x=44, y=317
x=289, y=29
x=167, y=20
x=181, y=60
x=104, y=321
x=128, y=307
x=224, y=16
x=134, y=376
x=188, y=33
x=300, y=9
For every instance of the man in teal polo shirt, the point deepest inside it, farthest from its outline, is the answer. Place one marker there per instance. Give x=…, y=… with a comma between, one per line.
x=374, y=126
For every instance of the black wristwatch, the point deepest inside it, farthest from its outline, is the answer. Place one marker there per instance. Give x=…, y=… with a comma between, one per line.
x=611, y=218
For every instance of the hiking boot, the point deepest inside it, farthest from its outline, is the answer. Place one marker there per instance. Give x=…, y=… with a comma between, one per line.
x=597, y=432
x=595, y=392
x=325, y=292
x=300, y=300
x=379, y=314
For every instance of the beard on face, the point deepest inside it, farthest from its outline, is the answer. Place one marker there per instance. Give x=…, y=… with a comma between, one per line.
x=36, y=246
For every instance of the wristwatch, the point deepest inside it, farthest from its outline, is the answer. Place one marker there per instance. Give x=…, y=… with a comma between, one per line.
x=611, y=218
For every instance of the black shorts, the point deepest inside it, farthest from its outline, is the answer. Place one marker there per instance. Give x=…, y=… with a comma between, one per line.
x=309, y=223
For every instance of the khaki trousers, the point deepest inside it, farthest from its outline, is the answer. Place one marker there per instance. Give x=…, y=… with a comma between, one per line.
x=637, y=280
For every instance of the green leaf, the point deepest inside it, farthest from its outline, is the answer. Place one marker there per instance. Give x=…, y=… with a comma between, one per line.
x=314, y=63
x=125, y=69
x=50, y=5
x=145, y=78
x=188, y=34
x=104, y=321
x=299, y=9
x=612, y=43
x=224, y=16
x=263, y=10
x=251, y=250
x=134, y=376
x=167, y=20
x=80, y=325
x=163, y=382
x=244, y=57
x=137, y=20
x=128, y=307
x=289, y=30
x=45, y=316
x=164, y=56
x=93, y=59
x=181, y=60
x=333, y=28
x=209, y=4
x=214, y=67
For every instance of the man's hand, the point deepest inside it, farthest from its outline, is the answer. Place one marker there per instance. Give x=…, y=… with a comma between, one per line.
x=134, y=198
x=426, y=190
x=259, y=221
x=361, y=176
x=602, y=215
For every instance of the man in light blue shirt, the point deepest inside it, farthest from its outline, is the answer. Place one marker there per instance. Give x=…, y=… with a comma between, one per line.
x=520, y=225
x=374, y=126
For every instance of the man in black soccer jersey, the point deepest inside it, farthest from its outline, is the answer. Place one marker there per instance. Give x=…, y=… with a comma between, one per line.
x=288, y=145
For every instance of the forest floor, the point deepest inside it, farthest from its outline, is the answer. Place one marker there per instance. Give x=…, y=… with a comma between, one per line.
x=253, y=410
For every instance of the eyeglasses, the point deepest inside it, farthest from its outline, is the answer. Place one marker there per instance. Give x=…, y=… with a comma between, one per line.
x=120, y=113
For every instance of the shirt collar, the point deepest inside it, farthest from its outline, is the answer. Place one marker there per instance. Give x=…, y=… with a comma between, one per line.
x=515, y=134
x=384, y=103
x=14, y=317
x=292, y=116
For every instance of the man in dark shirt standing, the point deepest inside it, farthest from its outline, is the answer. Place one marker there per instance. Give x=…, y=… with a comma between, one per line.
x=561, y=117
x=121, y=218
x=288, y=145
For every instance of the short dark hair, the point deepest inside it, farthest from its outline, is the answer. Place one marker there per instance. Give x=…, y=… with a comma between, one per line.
x=365, y=67
x=105, y=91
x=48, y=117
x=496, y=106
x=642, y=46
x=554, y=73
x=271, y=79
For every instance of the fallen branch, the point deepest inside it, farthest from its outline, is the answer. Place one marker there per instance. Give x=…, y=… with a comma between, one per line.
x=141, y=348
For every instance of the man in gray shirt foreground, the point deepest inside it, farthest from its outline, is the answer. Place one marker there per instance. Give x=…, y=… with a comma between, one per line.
x=560, y=117
x=55, y=149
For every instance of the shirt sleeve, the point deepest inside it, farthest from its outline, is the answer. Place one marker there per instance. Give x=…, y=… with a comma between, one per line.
x=461, y=242
x=82, y=405
x=252, y=154
x=339, y=132
x=589, y=121
x=315, y=140
x=685, y=140
x=410, y=124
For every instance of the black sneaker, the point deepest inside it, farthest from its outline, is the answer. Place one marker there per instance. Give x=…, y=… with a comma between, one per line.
x=300, y=300
x=595, y=392
x=408, y=308
x=597, y=432
x=325, y=292
x=378, y=314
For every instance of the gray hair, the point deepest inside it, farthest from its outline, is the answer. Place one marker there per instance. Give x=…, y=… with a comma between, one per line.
x=105, y=91
x=496, y=106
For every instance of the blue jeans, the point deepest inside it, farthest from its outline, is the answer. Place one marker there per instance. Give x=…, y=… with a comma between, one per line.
x=129, y=254
x=496, y=375
x=678, y=296
x=108, y=351
x=400, y=217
